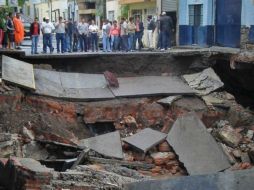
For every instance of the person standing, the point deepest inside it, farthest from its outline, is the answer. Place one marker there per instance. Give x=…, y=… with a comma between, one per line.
x=3, y=32
x=35, y=33
x=150, y=30
x=105, y=36
x=60, y=35
x=19, y=32
x=93, y=29
x=114, y=33
x=139, y=33
x=47, y=31
x=83, y=29
x=131, y=34
x=75, y=37
x=166, y=26
x=124, y=35
x=10, y=31
x=69, y=35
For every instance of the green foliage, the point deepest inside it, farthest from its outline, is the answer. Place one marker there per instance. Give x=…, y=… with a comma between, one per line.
x=125, y=10
x=21, y=2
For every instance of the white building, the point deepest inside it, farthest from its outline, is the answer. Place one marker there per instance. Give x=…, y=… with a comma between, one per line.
x=113, y=10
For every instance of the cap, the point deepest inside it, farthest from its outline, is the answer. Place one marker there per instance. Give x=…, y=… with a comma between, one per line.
x=164, y=13
x=46, y=18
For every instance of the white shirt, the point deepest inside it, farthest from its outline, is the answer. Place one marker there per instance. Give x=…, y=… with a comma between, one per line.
x=47, y=28
x=93, y=28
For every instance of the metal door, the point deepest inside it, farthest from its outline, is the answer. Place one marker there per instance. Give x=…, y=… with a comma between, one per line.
x=228, y=22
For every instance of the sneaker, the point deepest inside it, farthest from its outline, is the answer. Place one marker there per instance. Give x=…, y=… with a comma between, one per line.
x=162, y=49
x=36, y=53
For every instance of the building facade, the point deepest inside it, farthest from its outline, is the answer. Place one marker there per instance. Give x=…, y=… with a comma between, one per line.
x=113, y=10
x=227, y=23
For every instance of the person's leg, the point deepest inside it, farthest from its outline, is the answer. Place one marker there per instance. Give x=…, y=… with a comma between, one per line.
x=33, y=45
x=81, y=43
x=50, y=37
x=63, y=45
x=126, y=42
x=70, y=43
x=58, y=42
x=85, y=43
x=36, y=44
x=44, y=41
x=116, y=42
x=104, y=42
x=96, y=41
x=108, y=44
x=139, y=40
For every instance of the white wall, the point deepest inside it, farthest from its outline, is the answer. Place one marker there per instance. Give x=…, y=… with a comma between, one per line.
x=113, y=6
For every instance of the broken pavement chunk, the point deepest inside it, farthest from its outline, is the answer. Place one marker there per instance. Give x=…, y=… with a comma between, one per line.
x=169, y=100
x=150, y=85
x=196, y=148
x=229, y=136
x=145, y=139
x=18, y=72
x=108, y=144
x=237, y=180
x=204, y=82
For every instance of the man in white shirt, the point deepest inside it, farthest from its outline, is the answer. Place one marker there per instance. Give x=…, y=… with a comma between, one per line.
x=47, y=29
x=60, y=35
x=93, y=29
x=83, y=29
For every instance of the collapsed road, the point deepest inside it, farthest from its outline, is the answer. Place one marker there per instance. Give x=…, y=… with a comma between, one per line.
x=178, y=122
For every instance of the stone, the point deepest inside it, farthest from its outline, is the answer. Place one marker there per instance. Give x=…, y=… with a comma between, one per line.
x=196, y=148
x=71, y=85
x=164, y=147
x=145, y=139
x=245, y=157
x=108, y=145
x=169, y=100
x=228, y=135
x=130, y=121
x=237, y=153
x=28, y=133
x=161, y=158
x=235, y=180
x=250, y=134
x=18, y=72
x=150, y=85
x=204, y=82
x=112, y=79
x=227, y=150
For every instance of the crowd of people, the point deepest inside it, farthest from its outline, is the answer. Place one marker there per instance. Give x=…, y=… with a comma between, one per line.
x=71, y=36
x=11, y=31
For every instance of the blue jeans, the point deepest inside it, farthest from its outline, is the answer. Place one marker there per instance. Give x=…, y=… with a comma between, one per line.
x=115, y=42
x=124, y=42
x=131, y=41
x=60, y=37
x=94, y=41
x=165, y=39
x=47, y=42
x=68, y=42
x=105, y=42
x=138, y=36
x=35, y=39
x=83, y=42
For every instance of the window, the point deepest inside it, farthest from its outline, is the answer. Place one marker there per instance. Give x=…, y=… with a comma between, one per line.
x=196, y=15
x=111, y=15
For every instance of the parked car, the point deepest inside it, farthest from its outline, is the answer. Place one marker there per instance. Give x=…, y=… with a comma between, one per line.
x=27, y=29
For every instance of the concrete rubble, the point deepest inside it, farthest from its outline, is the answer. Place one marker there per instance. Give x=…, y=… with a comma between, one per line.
x=55, y=143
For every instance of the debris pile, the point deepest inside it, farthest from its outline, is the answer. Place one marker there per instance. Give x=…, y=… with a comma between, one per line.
x=57, y=144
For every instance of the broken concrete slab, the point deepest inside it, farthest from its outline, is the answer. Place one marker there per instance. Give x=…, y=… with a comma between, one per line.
x=221, y=181
x=108, y=144
x=145, y=139
x=151, y=85
x=82, y=80
x=196, y=148
x=204, y=82
x=18, y=72
x=71, y=85
x=169, y=100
